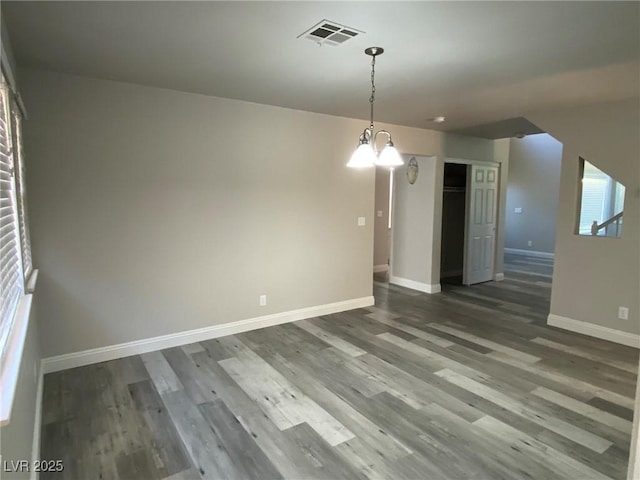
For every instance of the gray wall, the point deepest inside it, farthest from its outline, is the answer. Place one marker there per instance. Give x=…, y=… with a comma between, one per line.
x=414, y=239
x=156, y=211
x=382, y=237
x=469, y=148
x=16, y=438
x=534, y=186
x=594, y=275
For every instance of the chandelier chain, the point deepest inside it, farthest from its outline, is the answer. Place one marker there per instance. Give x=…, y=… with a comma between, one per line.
x=372, y=99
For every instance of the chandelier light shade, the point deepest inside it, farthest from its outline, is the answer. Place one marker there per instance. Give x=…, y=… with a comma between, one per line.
x=389, y=156
x=366, y=155
x=363, y=157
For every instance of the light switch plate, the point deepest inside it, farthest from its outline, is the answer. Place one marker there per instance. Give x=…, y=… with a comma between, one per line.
x=517, y=210
x=361, y=221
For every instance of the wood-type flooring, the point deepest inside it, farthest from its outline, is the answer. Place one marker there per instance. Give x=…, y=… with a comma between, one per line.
x=466, y=384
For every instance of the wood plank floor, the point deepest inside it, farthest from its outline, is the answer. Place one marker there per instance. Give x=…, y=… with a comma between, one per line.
x=466, y=384
x=517, y=263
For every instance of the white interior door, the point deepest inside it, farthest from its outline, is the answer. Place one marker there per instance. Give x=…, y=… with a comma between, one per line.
x=482, y=191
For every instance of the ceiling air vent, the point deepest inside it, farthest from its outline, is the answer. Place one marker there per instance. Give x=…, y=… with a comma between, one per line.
x=330, y=33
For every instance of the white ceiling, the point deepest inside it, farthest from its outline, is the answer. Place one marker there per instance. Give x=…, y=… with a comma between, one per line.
x=474, y=62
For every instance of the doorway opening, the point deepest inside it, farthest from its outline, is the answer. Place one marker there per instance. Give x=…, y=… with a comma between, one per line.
x=454, y=201
x=532, y=198
x=382, y=225
x=469, y=221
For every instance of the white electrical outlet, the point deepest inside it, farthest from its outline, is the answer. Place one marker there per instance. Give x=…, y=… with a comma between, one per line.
x=517, y=210
x=529, y=243
x=623, y=313
x=361, y=221
x=379, y=213
x=263, y=300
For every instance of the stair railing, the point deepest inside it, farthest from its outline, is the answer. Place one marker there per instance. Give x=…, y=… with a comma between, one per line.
x=611, y=226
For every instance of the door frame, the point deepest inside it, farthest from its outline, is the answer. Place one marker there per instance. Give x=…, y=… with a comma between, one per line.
x=464, y=161
x=469, y=163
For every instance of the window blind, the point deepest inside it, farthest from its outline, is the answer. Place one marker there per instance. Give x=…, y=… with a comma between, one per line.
x=592, y=206
x=11, y=277
x=21, y=194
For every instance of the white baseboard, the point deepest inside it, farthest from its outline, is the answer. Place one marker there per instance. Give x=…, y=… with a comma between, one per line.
x=37, y=424
x=412, y=284
x=593, y=330
x=102, y=354
x=498, y=277
x=529, y=253
x=380, y=268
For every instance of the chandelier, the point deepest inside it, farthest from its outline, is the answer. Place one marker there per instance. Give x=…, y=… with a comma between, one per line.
x=366, y=155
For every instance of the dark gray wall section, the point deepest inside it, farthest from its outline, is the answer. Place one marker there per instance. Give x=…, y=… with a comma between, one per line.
x=453, y=220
